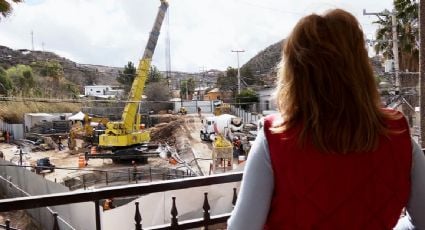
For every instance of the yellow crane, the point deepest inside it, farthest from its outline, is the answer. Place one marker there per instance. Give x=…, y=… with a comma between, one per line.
x=127, y=132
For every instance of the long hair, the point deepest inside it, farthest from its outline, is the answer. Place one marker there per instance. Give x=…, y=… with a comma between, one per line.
x=327, y=87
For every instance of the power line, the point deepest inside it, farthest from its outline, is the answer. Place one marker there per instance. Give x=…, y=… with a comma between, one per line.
x=269, y=8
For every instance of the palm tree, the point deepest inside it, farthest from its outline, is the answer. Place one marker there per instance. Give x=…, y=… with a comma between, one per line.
x=407, y=30
x=422, y=70
x=6, y=8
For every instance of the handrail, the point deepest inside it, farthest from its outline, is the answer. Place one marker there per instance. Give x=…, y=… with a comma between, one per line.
x=118, y=191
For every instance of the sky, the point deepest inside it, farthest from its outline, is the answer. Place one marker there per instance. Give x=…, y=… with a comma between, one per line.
x=202, y=33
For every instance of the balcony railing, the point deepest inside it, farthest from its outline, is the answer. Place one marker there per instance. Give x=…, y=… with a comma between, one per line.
x=133, y=190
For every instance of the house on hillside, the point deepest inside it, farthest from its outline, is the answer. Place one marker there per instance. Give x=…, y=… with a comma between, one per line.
x=212, y=95
x=199, y=93
x=105, y=91
x=266, y=99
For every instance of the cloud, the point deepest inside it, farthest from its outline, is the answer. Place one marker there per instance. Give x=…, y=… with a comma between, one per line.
x=202, y=32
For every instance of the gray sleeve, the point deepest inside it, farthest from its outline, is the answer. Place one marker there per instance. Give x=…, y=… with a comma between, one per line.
x=256, y=190
x=415, y=218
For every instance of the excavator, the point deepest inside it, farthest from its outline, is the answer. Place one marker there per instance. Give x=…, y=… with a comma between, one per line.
x=127, y=138
x=87, y=131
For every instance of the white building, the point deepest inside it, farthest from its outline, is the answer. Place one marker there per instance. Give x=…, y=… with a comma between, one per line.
x=266, y=99
x=102, y=91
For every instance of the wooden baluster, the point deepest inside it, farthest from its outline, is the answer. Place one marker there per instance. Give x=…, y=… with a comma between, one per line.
x=55, y=221
x=206, y=208
x=174, y=213
x=235, y=197
x=138, y=218
x=7, y=224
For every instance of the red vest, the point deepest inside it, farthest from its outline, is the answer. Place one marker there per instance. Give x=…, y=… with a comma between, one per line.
x=361, y=191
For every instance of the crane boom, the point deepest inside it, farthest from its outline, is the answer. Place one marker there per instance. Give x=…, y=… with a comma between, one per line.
x=127, y=131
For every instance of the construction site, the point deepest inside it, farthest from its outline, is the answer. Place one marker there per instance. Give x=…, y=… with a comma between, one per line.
x=67, y=152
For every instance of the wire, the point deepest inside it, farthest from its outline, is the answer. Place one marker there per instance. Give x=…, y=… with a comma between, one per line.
x=269, y=8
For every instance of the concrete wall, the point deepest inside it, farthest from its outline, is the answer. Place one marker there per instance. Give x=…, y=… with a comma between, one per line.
x=155, y=208
x=80, y=215
x=192, y=106
x=17, y=130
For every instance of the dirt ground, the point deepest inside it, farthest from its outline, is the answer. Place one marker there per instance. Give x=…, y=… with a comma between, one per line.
x=182, y=133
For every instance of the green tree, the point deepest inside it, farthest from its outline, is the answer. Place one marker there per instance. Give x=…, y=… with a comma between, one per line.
x=228, y=82
x=53, y=74
x=248, y=77
x=155, y=92
x=187, y=87
x=52, y=69
x=246, y=98
x=127, y=76
x=6, y=8
x=407, y=30
x=22, y=78
x=154, y=75
x=5, y=82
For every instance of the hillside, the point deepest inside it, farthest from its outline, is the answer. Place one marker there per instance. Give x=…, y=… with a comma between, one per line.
x=80, y=74
x=263, y=65
x=266, y=60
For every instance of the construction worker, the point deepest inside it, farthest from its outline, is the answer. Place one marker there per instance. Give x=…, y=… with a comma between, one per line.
x=199, y=111
x=108, y=204
x=60, y=145
x=236, y=146
x=7, y=137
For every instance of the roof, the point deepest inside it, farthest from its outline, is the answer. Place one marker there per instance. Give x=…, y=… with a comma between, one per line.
x=215, y=90
x=77, y=117
x=39, y=114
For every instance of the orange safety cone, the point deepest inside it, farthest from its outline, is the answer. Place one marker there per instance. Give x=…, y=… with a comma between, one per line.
x=241, y=158
x=172, y=161
x=81, y=162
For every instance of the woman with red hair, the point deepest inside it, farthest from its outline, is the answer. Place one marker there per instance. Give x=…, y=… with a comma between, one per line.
x=333, y=158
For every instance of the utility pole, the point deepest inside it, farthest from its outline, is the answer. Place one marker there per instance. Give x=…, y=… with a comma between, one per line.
x=32, y=40
x=186, y=91
x=395, y=51
x=239, y=72
x=168, y=48
x=395, y=44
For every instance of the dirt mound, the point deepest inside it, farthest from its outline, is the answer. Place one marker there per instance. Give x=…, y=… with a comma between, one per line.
x=165, y=132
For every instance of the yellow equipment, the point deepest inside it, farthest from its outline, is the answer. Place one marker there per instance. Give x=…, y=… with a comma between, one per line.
x=183, y=110
x=223, y=108
x=127, y=132
x=85, y=131
x=88, y=122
